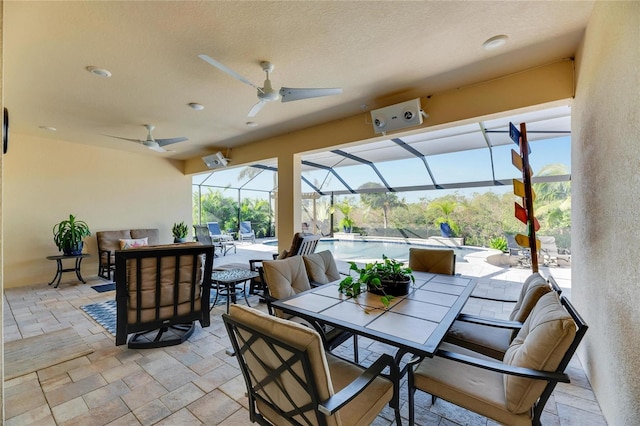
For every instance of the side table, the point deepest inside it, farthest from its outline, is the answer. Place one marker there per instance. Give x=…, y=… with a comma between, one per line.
x=60, y=270
x=225, y=282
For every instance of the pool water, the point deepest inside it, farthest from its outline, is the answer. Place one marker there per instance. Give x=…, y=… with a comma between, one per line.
x=361, y=250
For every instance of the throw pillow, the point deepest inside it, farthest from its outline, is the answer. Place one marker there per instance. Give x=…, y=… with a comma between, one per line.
x=133, y=243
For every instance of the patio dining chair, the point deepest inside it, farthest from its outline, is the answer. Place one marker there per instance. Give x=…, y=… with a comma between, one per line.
x=290, y=379
x=287, y=277
x=437, y=261
x=515, y=390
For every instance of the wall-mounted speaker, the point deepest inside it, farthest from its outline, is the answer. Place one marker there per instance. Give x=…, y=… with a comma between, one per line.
x=215, y=161
x=398, y=116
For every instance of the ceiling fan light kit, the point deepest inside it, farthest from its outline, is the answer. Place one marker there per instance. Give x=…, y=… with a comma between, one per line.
x=266, y=93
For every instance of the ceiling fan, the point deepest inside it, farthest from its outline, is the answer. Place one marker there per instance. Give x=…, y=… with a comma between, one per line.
x=152, y=143
x=267, y=93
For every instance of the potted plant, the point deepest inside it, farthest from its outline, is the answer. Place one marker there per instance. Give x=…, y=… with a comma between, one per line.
x=388, y=279
x=179, y=231
x=68, y=235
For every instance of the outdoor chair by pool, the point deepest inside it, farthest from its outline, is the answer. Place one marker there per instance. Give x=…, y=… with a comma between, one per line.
x=287, y=277
x=246, y=233
x=225, y=241
x=514, y=391
x=160, y=292
x=437, y=261
x=520, y=256
x=290, y=378
x=490, y=336
x=551, y=255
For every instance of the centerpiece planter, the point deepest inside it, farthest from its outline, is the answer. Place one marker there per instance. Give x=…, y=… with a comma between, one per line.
x=391, y=287
x=388, y=279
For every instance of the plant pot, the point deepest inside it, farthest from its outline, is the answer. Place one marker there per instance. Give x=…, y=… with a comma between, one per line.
x=73, y=251
x=179, y=240
x=392, y=288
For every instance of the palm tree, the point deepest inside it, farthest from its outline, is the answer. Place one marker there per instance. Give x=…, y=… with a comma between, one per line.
x=381, y=200
x=445, y=207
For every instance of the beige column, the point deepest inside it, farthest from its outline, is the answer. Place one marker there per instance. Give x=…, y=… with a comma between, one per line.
x=288, y=207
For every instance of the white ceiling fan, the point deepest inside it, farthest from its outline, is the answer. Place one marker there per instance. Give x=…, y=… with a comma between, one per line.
x=267, y=93
x=152, y=143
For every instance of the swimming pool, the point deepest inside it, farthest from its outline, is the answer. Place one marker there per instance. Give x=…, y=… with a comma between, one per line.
x=363, y=249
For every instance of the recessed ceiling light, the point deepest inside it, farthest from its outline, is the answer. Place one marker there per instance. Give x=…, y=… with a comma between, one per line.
x=196, y=106
x=48, y=128
x=100, y=72
x=495, y=42
x=251, y=124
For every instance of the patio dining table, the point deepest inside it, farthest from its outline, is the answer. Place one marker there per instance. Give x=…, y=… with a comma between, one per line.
x=415, y=324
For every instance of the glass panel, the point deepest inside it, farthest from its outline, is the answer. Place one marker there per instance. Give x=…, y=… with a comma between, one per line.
x=465, y=166
x=408, y=172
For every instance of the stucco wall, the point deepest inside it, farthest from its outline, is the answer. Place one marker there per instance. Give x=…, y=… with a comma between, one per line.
x=46, y=180
x=605, y=221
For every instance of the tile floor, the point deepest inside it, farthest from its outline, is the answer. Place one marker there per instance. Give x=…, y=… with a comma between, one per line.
x=197, y=382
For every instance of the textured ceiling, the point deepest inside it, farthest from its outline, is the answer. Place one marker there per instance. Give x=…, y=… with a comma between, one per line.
x=379, y=52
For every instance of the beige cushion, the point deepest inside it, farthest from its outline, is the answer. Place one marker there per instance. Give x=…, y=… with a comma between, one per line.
x=110, y=240
x=543, y=340
x=152, y=234
x=321, y=267
x=477, y=389
x=286, y=277
x=494, y=341
x=147, y=285
x=532, y=279
x=437, y=261
x=330, y=373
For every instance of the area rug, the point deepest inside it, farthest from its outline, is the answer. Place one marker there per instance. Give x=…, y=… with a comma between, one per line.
x=104, y=287
x=104, y=313
x=38, y=352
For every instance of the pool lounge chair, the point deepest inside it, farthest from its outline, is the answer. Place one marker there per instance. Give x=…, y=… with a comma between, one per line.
x=550, y=253
x=246, y=233
x=520, y=256
x=225, y=241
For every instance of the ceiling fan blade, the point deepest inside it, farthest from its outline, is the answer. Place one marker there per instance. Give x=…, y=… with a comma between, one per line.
x=228, y=70
x=256, y=109
x=157, y=148
x=164, y=142
x=125, y=139
x=289, y=94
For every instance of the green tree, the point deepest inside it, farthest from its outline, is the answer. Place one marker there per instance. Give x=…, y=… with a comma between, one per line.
x=386, y=201
x=444, y=209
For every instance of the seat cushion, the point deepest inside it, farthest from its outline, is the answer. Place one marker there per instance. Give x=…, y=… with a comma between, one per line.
x=321, y=267
x=484, y=339
x=541, y=344
x=476, y=389
x=110, y=240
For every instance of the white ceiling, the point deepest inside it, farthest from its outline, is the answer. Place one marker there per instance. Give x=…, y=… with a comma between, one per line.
x=380, y=53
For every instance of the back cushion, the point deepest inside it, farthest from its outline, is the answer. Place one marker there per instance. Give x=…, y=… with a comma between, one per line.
x=149, y=291
x=286, y=277
x=531, y=279
x=110, y=240
x=321, y=267
x=153, y=235
x=541, y=344
x=535, y=291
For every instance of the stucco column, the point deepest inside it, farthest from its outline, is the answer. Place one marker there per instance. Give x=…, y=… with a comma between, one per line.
x=289, y=211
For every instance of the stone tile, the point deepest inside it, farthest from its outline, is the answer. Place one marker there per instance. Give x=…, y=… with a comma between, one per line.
x=101, y=415
x=206, y=364
x=181, y=397
x=69, y=410
x=236, y=389
x=38, y=416
x=151, y=412
x=22, y=402
x=216, y=377
x=572, y=416
x=239, y=418
x=130, y=420
x=121, y=371
x=144, y=394
x=182, y=417
x=72, y=390
x=139, y=378
x=62, y=368
x=93, y=368
x=101, y=396
x=213, y=408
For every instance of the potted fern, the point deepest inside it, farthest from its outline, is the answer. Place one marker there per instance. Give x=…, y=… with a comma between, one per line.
x=68, y=235
x=179, y=231
x=388, y=278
